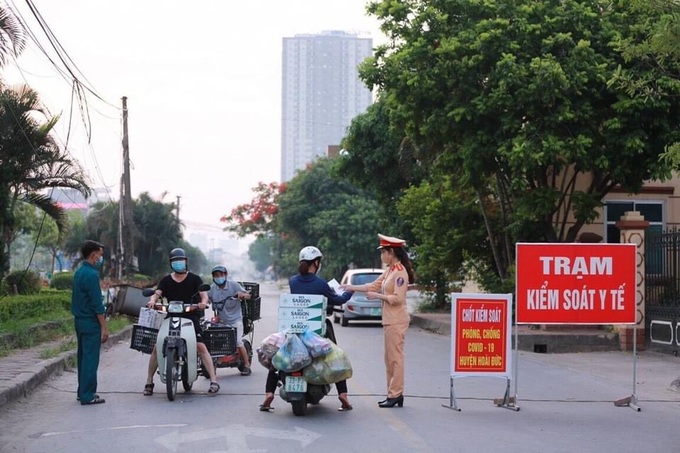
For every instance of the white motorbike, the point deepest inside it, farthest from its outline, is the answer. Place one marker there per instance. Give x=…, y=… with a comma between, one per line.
x=176, y=346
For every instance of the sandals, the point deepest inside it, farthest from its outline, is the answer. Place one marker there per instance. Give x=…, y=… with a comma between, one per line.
x=246, y=371
x=214, y=387
x=96, y=395
x=266, y=404
x=148, y=390
x=95, y=400
x=345, y=404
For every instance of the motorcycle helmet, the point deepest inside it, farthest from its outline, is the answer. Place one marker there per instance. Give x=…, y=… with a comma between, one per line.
x=178, y=260
x=219, y=268
x=310, y=253
x=177, y=254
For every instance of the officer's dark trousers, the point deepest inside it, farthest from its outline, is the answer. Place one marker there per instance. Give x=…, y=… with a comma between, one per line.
x=89, y=335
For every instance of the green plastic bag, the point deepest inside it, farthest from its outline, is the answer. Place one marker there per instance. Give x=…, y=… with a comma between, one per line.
x=329, y=369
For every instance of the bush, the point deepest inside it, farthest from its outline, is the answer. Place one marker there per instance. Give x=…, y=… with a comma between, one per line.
x=26, y=282
x=15, y=308
x=62, y=280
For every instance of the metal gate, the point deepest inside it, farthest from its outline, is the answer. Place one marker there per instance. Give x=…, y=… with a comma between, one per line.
x=662, y=289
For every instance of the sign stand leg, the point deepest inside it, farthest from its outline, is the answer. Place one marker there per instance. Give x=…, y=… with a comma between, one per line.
x=452, y=398
x=507, y=402
x=631, y=401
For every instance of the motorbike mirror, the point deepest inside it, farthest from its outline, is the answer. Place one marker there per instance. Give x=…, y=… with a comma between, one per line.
x=204, y=287
x=148, y=292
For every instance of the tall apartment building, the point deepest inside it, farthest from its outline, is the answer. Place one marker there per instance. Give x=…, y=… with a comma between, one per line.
x=321, y=94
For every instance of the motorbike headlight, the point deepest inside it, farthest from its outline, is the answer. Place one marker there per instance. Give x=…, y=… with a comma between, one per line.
x=175, y=307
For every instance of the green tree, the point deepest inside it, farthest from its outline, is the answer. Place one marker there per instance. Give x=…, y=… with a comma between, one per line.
x=159, y=232
x=12, y=36
x=30, y=163
x=46, y=235
x=259, y=218
x=655, y=48
x=260, y=252
x=332, y=214
x=513, y=97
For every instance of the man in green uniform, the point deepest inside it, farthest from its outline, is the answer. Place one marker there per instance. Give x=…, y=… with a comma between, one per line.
x=90, y=322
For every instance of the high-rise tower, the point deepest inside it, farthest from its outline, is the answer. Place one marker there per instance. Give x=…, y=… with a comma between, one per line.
x=321, y=94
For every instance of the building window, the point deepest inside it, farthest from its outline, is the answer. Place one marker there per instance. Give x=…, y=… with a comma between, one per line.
x=653, y=211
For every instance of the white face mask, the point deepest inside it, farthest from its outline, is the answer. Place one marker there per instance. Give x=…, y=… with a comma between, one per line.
x=318, y=268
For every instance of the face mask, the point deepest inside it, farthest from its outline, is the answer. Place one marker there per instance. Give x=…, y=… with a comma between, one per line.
x=219, y=280
x=179, y=266
x=318, y=269
x=99, y=261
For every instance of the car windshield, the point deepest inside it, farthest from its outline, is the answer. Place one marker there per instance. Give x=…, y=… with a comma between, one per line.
x=362, y=279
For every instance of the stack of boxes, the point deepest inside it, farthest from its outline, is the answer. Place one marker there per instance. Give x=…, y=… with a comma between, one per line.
x=299, y=312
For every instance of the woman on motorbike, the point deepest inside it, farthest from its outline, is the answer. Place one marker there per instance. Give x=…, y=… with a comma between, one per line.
x=307, y=282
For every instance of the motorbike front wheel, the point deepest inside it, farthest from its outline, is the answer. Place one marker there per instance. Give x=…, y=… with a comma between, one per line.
x=171, y=373
x=185, y=379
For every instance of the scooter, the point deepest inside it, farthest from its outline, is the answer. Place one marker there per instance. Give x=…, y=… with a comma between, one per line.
x=176, y=346
x=232, y=357
x=297, y=391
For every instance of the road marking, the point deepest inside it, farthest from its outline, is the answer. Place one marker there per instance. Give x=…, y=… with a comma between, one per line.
x=113, y=428
x=234, y=437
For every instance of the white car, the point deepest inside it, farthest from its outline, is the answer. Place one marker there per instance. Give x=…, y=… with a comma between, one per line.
x=359, y=307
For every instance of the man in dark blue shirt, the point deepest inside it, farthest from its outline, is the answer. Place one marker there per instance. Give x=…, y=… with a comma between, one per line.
x=89, y=320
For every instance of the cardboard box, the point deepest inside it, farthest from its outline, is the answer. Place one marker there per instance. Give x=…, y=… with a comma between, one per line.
x=301, y=314
x=300, y=326
x=148, y=317
x=302, y=301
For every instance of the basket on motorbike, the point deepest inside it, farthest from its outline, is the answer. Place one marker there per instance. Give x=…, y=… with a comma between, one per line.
x=252, y=288
x=220, y=341
x=251, y=308
x=143, y=338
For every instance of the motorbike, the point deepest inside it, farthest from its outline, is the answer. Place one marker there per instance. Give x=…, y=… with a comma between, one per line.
x=226, y=356
x=176, y=346
x=295, y=390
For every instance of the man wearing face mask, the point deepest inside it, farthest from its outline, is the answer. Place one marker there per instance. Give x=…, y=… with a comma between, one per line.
x=182, y=285
x=230, y=292
x=89, y=320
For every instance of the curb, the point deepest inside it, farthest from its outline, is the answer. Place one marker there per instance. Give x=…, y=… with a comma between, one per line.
x=26, y=382
x=431, y=325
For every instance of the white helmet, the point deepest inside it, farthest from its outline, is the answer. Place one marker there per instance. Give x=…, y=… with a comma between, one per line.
x=310, y=253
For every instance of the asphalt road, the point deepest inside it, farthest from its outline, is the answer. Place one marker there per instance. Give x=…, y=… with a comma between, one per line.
x=566, y=405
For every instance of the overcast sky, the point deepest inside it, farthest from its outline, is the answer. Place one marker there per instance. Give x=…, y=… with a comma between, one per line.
x=203, y=82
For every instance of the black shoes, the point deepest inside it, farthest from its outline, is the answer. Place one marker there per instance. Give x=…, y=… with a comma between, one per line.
x=391, y=402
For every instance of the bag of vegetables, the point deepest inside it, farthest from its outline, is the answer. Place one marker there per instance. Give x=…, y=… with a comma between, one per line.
x=331, y=368
x=292, y=355
x=317, y=345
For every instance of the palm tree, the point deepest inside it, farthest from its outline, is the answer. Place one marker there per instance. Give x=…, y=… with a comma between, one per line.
x=31, y=161
x=12, y=36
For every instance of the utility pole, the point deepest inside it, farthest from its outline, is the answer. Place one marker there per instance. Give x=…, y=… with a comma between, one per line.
x=177, y=207
x=127, y=224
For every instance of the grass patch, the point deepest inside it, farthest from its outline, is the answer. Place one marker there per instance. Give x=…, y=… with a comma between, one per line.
x=67, y=345
x=29, y=333
x=428, y=305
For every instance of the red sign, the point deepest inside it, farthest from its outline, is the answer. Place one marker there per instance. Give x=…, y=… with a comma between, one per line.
x=576, y=283
x=480, y=334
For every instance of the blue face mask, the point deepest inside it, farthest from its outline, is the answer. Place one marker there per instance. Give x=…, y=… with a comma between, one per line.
x=219, y=280
x=179, y=266
x=99, y=261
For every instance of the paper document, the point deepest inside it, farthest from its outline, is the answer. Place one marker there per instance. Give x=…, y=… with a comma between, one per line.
x=335, y=286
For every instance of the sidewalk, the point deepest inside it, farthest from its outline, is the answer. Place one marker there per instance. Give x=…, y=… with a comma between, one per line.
x=23, y=371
